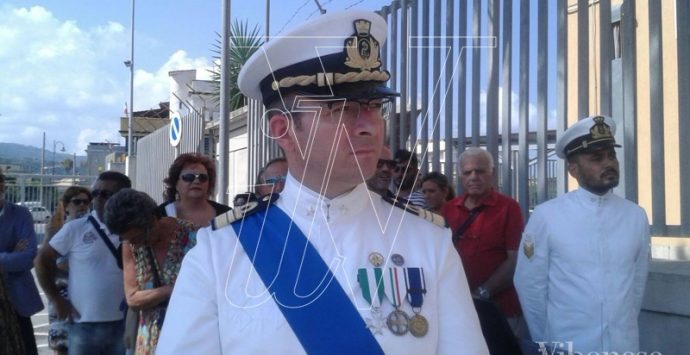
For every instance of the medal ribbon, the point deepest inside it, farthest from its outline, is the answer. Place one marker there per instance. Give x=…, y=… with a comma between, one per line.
x=393, y=283
x=416, y=286
x=370, y=281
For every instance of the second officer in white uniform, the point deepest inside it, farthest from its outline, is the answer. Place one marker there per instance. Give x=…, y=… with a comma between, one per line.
x=582, y=266
x=379, y=278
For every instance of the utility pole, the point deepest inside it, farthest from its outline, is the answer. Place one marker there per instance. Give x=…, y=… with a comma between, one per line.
x=74, y=165
x=130, y=65
x=223, y=171
x=43, y=166
x=268, y=22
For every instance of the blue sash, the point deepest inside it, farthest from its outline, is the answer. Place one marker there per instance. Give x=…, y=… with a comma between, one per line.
x=311, y=299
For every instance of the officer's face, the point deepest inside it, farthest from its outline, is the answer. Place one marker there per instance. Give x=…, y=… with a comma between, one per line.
x=476, y=175
x=596, y=172
x=331, y=147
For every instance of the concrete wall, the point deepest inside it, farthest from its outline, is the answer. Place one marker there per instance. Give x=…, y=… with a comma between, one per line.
x=665, y=317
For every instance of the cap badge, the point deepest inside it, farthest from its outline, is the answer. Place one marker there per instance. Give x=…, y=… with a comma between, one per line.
x=362, y=49
x=600, y=130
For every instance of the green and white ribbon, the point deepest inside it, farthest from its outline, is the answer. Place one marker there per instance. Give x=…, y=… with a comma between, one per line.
x=371, y=284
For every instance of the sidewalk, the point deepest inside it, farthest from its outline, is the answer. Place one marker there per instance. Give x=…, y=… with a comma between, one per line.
x=40, y=322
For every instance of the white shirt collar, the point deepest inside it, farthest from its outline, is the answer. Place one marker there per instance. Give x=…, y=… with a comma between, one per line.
x=305, y=202
x=592, y=199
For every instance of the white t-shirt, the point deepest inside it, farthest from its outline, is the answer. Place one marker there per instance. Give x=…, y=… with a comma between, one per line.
x=96, y=287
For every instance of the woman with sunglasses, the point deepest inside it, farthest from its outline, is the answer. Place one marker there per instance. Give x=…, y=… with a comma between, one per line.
x=152, y=251
x=189, y=185
x=75, y=203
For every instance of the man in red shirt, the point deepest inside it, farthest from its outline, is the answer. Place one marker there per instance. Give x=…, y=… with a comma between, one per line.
x=486, y=229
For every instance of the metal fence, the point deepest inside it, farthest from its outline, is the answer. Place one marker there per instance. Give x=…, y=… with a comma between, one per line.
x=156, y=154
x=512, y=75
x=506, y=74
x=41, y=193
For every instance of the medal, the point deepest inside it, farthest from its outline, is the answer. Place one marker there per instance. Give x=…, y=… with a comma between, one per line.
x=398, y=260
x=416, y=288
x=397, y=321
x=376, y=259
x=372, y=290
x=419, y=326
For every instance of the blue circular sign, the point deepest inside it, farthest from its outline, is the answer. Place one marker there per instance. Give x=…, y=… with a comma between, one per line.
x=175, y=130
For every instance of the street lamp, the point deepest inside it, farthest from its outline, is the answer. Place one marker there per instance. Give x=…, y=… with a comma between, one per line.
x=62, y=150
x=130, y=64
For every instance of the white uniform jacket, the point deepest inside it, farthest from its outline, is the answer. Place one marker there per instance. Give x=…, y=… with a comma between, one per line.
x=581, y=272
x=220, y=305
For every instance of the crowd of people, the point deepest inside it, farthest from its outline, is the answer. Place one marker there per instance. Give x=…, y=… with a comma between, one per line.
x=341, y=246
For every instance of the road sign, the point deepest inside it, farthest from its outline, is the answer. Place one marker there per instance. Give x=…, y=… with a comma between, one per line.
x=175, y=131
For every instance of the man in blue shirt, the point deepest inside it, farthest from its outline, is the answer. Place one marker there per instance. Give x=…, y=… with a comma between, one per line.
x=17, y=251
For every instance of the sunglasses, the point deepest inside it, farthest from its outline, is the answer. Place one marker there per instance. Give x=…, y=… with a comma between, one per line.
x=80, y=201
x=387, y=162
x=104, y=194
x=190, y=177
x=275, y=179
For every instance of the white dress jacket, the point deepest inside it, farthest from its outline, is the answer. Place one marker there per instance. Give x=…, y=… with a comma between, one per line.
x=581, y=272
x=220, y=305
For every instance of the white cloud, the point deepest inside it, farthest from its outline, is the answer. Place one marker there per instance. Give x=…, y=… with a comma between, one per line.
x=156, y=85
x=69, y=81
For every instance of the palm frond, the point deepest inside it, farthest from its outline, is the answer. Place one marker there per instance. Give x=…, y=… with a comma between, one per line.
x=243, y=43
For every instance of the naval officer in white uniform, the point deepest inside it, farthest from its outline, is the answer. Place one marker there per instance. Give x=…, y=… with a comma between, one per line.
x=582, y=266
x=324, y=87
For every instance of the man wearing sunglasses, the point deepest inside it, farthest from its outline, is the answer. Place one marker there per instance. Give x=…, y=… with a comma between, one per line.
x=294, y=274
x=381, y=180
x=405, y=179
x=271, y=179
x=96, y=290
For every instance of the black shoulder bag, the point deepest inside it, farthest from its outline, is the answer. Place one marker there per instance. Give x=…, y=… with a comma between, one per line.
x=468, y=222
x=117, y=253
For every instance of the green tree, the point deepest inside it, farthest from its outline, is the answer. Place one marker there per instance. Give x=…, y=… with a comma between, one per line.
x=67, y=164
x=243, y=43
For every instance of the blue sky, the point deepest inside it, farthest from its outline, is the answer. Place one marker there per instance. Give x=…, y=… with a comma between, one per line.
x=61, y=61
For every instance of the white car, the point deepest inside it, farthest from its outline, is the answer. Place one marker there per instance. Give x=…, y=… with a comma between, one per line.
x=40, y=214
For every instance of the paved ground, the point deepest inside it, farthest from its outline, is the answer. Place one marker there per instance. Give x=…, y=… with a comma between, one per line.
x=40, y=322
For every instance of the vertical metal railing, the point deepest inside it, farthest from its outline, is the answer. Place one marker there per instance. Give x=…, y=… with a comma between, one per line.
x=683, y=58
x=461, y=85
x=656, y=91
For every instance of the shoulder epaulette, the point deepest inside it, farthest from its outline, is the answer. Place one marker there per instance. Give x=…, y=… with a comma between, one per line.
x=240, y=212
x=417, y=211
